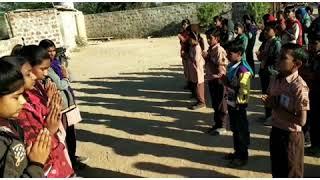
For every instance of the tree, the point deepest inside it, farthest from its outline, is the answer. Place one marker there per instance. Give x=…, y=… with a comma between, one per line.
x=207, y=11
x=258, y=9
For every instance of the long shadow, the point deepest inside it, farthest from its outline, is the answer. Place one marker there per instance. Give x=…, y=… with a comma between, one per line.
x=130, y=147
x=183, y=171
x=92, y=172
x=188, y=126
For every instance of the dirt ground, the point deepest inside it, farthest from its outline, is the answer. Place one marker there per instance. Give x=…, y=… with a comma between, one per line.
x=136, y=123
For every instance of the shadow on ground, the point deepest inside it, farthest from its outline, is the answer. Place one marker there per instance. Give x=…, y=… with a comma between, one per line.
x=187, y=126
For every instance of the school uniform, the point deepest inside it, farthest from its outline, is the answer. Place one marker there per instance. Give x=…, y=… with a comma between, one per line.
x=270, y=51
x=286, y=137
x=183, y=53
x=216, y=63
x=196, y=72
x=238, y=91
x=14, y=162
x=32, y=120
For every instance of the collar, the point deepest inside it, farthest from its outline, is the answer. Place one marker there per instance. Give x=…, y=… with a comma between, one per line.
x=292, y=77
x=215, y=46
x=236, y=64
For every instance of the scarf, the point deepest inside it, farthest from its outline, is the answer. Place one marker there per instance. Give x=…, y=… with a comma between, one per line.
x=233, y=68
x=56, y=66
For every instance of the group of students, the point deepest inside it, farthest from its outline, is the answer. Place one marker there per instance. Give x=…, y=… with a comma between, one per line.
x=289, y=72
x=37, y=115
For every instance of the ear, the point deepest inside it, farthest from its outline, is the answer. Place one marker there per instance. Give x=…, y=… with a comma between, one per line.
x=298, y=63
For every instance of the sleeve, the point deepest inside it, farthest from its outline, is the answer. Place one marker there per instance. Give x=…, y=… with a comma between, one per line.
x=276, y=51
x=244, y=88
x=33, y=170
x=308, y=22
x=302, y=98
x=296, y=30
x=11, y=170
x=245, y=43
x=62, y=84
x=24, y=121
x=198, y=56
x=222, y=59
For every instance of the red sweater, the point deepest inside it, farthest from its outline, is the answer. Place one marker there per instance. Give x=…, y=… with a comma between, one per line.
x=32, y=120
x=289, y=26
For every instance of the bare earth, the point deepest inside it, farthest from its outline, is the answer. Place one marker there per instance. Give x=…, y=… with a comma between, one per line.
x=136, y=123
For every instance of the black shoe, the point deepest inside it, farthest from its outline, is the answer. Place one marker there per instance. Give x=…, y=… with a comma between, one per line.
x=236, y=163
x=229, y=156
x=79, y=166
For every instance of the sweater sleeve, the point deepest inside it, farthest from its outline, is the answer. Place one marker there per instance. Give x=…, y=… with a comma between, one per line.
x=13, y=169
x=62, y=84
x=243, y=94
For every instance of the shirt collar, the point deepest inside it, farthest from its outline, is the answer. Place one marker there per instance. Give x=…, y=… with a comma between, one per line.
x=292, y=77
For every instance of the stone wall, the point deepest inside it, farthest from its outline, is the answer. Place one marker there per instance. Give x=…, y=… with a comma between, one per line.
x=7, y=45
x=35, y=25
x=141, y=22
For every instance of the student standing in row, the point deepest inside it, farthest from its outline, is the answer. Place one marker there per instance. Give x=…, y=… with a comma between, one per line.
x=196, y=70
x=216, y=64
x=238, y=90
x=251, y=32
x=183, y=37
x=268, y=57
x=288, y=98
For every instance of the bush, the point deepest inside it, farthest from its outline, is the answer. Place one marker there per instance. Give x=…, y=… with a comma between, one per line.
x=258, y=9
x=207, y=11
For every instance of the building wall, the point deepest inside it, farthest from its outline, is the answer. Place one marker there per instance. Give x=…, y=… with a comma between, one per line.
x=7, y=45
x=141, y=22
x=35, y=25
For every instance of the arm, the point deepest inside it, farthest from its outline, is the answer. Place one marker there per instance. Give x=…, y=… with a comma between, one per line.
x=222, y=62
x=10, y=170
x=244, y=89
x=62, y=84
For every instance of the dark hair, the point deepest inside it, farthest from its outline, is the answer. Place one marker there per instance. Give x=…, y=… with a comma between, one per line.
x=235, y=46
x=239, y=24
x=16, y=50
x=298, y=53
x=214, y=32
x=309, y=8
x=34, y=54
x=185, y=21
x=289, y=9
x=17, y=61
x=47, y=43
x=220, y=18
x=11, y=78
x=280, y=12
x=271, y=25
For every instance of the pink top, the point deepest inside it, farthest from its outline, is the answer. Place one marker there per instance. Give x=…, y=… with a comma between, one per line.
x=32, y=120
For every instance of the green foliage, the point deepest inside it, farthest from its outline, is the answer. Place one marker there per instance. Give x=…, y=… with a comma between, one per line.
x=9, y=6
x=207, y=11
x=258, y=9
